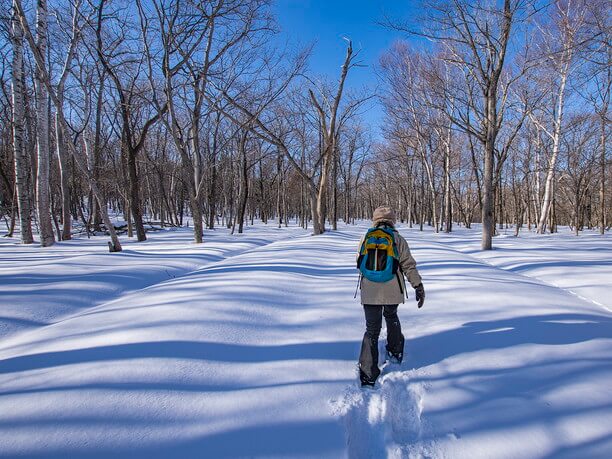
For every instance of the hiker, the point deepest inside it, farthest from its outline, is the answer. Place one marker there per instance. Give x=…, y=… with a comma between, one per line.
x=383, y=260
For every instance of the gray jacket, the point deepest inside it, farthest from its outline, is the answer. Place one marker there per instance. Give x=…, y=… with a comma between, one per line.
x=390, y=292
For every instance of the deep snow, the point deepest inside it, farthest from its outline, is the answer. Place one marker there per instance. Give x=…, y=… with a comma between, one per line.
x=40, y=286
x=253, y=353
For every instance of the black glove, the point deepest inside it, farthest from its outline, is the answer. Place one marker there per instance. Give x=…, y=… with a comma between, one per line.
x=420, y=294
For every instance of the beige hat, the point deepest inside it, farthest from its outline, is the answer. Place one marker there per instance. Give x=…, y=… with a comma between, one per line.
x=383, y=214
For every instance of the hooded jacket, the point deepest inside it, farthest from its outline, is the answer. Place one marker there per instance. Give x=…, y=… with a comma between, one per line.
x=393, y=291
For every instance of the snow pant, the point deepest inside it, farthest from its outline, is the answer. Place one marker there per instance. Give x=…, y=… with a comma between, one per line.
x=368, y=357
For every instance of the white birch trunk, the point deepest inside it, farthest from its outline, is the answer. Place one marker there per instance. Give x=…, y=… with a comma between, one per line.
x=47, y=237
x=556, y=138
x=447, y=183
x=21, y=157
x=64, y=183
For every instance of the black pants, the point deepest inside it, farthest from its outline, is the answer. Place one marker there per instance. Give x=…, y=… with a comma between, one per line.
x=368, y=357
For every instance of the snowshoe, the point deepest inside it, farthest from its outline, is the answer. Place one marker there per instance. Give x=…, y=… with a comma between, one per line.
x=366, y=382
x=394, y=357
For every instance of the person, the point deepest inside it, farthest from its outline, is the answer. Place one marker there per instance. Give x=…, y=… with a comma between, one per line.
x=382, y=299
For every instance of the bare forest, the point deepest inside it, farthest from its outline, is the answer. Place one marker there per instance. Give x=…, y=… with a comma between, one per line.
x=120, y=116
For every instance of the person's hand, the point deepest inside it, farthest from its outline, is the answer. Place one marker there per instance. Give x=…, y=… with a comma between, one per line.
x=420, y=294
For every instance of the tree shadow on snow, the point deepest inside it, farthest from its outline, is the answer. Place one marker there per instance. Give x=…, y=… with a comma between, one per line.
x=551, y=329
x=284, y=268
x=287, y=439
x=503, y=397
x=559, y=264
x=195, y=350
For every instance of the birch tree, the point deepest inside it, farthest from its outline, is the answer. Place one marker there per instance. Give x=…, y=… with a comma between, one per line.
x=114, y=244
x=47, y=237
x=476, y=35
x=7, y=183
x=563, y=40
x=21, y=157
x=599, y=71
x=73, y=38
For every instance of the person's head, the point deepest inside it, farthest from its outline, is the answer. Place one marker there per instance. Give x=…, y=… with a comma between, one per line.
x=383, y=214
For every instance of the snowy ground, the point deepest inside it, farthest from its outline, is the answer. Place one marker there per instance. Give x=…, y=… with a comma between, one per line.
x=41, y=286
x=246, y=347
x=579, y=264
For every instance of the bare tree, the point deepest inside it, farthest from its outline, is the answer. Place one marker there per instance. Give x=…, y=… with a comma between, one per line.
x=227, y=128
x=47, y=237
x=328, y=119
x=200, y=42
x=21, y=158
x=132, y=140
x=61, y=149
x=327, y=122
x=114, y=244
x=476, y=35
x=563, y=41
x=599, y=71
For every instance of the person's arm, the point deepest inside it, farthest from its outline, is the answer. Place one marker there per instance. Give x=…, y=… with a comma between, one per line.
x=408, y=263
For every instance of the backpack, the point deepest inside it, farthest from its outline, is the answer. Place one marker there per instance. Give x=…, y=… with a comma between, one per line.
x=378, y=259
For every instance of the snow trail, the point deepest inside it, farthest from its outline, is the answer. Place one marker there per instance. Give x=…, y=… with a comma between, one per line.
x=497, y=365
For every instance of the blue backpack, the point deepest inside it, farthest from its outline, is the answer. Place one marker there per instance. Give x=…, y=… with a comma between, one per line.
x=378, y=259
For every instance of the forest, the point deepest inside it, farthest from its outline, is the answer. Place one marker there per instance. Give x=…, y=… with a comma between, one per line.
x=120, y=116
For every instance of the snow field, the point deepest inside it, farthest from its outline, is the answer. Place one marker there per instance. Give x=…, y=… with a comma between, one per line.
x=253, y=355
x=41, y=286
x=237, y=359
x=580, y=264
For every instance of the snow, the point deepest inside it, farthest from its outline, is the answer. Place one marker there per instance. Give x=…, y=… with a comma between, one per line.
x=40, y=286
x=579, y=264
x=247, y=348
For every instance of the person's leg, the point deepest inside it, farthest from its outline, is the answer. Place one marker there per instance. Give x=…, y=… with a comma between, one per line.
x=395, y=339
x=368, y=357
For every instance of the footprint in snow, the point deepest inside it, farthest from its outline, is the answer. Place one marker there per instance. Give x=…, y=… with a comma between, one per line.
x=385, y=422
x=404, y=407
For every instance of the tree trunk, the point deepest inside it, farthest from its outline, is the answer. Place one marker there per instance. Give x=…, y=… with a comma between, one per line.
x=335, y=190
x=11, y=228
x=602, y=184
x=279, y=189
x=97, y=219
x=316, y=222
x=47, y=237
x=212, y=194
x=196, y=213
x=21, y=157
x=448, y=227
x=488, y=223
x=421, y=202
x=64, y=181
x=262, y=200
x=556, y=138
x=135, y=205
x=244, y=185
x=321, y=195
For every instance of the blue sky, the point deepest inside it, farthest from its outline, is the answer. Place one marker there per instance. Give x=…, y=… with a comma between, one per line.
x=326, y=22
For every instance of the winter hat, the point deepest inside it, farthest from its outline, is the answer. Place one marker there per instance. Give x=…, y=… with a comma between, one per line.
x=383, y=214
